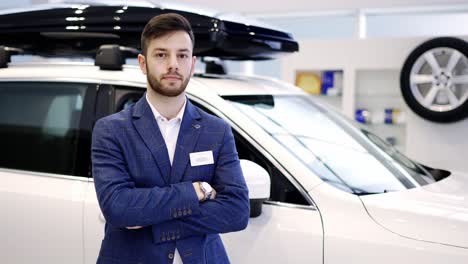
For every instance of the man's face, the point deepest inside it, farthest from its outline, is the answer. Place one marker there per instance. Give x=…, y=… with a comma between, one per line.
x=168, y=63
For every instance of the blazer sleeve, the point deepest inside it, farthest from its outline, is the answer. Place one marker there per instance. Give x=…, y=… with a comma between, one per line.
x=121, y=203
x=230, y=210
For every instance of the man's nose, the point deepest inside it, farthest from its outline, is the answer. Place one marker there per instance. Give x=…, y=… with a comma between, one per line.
x=173, y=63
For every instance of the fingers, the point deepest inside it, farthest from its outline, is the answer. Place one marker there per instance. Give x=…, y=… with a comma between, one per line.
x=134, y=227
x=198, y=191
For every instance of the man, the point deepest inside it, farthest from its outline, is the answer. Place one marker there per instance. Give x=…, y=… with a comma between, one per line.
x=167, y=174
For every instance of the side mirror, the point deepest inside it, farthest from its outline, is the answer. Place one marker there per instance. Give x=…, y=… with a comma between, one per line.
x=258, y=183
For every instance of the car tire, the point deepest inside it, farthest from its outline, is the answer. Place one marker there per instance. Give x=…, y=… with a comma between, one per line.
x=434, y=80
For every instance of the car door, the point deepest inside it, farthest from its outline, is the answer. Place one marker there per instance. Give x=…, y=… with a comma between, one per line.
x=109, y=99
x=44, y=131
x=289, y=230
x=93, y=220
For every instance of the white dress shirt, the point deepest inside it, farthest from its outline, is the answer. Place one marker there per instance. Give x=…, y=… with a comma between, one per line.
x=170, y=131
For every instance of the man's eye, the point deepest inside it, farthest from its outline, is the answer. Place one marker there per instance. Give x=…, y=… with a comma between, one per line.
x=160, y=55
x=183, y=56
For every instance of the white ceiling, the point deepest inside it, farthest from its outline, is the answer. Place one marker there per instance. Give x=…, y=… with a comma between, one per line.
x=266, y=6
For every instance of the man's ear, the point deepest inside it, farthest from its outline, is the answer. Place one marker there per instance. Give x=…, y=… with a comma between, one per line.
x=194, y=61
x=142, y=63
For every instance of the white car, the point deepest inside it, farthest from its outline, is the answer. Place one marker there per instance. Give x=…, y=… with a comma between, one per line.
x=322, y=189
x=338, y=193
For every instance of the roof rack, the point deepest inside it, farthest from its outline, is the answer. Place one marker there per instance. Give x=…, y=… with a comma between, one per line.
x=214, y=66
x=108, y=57
x=5, y=55
x=112, y=57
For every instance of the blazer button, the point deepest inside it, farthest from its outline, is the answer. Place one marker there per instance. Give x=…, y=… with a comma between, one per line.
x=170, y=256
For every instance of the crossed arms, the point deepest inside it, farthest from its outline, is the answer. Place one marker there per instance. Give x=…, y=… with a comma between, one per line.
x=123, y=205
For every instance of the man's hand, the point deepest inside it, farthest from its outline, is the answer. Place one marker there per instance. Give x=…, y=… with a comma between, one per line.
x=200, y=193
x=198, y=190
x=134, y=227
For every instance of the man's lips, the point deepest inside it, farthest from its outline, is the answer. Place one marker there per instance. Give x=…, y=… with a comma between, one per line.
x=172, y=77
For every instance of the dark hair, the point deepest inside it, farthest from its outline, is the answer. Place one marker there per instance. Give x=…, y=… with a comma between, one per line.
x=161, y=25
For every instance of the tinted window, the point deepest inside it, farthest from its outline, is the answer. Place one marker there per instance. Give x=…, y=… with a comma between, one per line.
x=126, y=96
x=340, y=154
x=39, y=126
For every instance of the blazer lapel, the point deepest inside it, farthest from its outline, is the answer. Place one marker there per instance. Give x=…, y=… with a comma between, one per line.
x=147, y=127
x=188, y=136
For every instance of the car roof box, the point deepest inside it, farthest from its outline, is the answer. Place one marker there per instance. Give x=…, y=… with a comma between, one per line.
x=80, y=29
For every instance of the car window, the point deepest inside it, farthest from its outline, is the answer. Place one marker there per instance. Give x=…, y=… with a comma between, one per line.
x=282, y=190
x=340, y=154
x=39, y=126
x=126, y=97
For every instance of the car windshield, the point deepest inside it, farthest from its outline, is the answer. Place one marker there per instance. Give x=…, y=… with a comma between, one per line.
x=340, y=153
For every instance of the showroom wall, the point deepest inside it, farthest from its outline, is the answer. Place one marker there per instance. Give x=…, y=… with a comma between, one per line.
x=364, y=23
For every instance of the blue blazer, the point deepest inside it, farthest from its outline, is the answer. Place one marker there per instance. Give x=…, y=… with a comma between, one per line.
x=137, y=186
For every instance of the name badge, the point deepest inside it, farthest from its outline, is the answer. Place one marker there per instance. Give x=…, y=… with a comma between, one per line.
x=201, y=158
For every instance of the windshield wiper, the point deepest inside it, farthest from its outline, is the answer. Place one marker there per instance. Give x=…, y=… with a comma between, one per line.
x=362, y=193
x=354, y=190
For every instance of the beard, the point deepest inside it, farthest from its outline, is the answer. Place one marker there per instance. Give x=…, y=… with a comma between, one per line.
x=161, y=89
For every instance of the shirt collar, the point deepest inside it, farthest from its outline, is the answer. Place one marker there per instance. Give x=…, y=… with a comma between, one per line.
x=158, y=116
